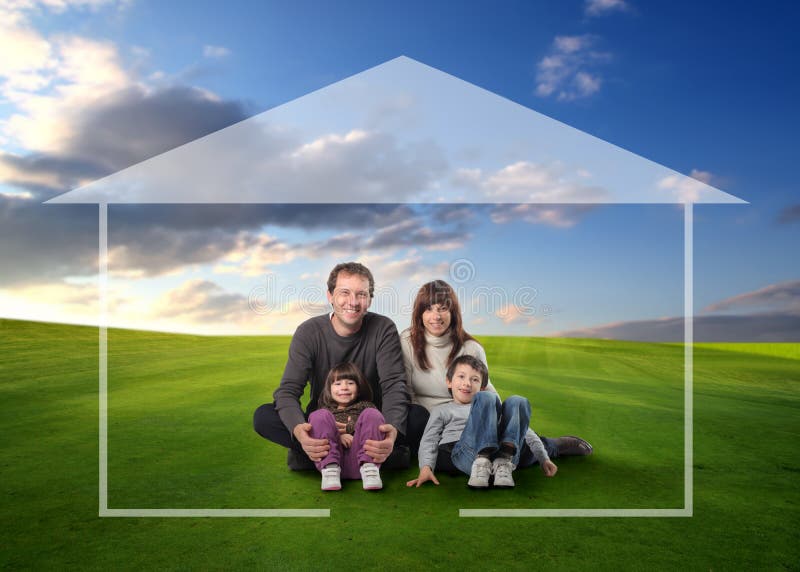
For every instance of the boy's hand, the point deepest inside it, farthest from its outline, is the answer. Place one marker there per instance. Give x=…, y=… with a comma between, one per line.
x=346, y=440
x=425, y=474
x=549, y=468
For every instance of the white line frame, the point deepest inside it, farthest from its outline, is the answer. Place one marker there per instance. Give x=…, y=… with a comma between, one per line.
x=688, y=408
x=104, y=511
x=688, y=381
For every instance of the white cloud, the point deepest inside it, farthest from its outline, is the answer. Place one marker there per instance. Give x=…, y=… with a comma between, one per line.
x=79, y=73
x=215, y=51
x=511, y=314
x=571, y=44
x=48, y=79
x=568, y=72
x=249, y=258
x=688, y=189
x=601, y=7
x=525, y=181
x=559, y=216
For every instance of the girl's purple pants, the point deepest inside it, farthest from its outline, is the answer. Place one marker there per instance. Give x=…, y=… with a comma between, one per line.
x=323, y=426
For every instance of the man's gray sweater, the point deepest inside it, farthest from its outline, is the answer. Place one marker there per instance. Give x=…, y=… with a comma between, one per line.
x=316, y=348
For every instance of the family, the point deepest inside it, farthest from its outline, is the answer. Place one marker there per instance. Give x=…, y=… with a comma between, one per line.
x=377, y=396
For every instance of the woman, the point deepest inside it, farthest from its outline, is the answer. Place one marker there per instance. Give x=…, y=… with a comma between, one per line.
x=435, y=338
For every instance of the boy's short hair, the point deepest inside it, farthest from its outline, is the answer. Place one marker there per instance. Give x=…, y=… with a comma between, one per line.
x=472, y=362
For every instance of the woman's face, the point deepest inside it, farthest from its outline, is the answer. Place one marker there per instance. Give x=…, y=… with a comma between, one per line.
x=436, y=320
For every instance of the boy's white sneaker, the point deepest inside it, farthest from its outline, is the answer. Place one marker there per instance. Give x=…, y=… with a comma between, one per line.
x=330, y=478
x=479, y=475
x=371, y=477
x=501, y=469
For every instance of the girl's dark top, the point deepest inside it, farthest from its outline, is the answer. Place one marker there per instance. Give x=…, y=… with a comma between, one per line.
x=350, y=413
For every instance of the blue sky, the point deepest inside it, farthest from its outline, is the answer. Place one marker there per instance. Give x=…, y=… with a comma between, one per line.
x=707, y=89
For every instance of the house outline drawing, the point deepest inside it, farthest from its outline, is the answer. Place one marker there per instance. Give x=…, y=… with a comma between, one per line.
x=402, y=132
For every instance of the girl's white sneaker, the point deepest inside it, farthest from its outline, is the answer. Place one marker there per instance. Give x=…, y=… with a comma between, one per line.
x=371, y=477
x=330, y=478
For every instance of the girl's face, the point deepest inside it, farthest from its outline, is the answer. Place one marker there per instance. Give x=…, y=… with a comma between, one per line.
x=436, y=320
x=344, y=391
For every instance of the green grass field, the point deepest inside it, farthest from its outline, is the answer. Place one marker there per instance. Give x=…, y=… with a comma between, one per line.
x=180, y=436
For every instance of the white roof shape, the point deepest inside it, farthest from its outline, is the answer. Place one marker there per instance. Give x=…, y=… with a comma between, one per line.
x=401, y=132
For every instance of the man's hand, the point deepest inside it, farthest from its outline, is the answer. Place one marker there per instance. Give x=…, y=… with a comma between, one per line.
x=425, y=474
x=549, y=468
x=346, y=440
x=316, y=449
x=380, y=450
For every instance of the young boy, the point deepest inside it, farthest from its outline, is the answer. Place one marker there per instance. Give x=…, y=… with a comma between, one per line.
x=468, y=432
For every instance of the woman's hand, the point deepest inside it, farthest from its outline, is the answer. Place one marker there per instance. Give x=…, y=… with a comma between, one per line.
x=425, y=474
x=346, y=440
x=549, y=468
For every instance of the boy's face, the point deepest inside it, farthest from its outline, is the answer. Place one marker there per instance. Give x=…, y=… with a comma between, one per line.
x=465, y=384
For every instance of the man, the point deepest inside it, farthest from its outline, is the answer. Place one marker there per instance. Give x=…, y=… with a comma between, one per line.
x=349, y=333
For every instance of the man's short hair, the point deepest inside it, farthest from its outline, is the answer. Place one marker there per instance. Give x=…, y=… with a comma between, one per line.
x=472, y=362
x=351, y=268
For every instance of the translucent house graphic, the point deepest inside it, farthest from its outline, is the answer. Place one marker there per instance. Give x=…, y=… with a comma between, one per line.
x=401, y=132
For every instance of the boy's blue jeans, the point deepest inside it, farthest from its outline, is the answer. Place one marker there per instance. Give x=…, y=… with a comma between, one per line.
x=489, y=424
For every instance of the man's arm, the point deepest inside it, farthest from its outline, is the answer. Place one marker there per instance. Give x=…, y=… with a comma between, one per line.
x=392, y=378
x=295, y=377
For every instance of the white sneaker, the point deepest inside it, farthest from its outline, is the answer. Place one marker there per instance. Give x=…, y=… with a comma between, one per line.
x=479, y=475
x=501, y=469
x=330, y=478
x=371, y=477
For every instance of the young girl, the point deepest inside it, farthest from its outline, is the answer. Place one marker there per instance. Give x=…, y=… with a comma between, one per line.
x=346, y=400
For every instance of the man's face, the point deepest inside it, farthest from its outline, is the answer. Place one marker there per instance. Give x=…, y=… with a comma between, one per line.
x=350, y=300
x=465, y=384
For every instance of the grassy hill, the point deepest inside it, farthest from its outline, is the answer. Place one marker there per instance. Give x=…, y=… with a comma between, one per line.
x=180, y=436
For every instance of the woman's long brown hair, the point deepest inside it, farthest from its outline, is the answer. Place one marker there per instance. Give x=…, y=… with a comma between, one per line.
x=436, y=292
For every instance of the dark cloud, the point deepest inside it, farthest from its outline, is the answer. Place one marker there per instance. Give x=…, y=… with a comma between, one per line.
x=203, y=301
x=790, y=214
x=783, y=296
x=123, y=129
x=134, y=125
x=767, y=327
x=242, y=217
x=45, y=175
x=413, y=233
x=45, y=243
x=40, y=243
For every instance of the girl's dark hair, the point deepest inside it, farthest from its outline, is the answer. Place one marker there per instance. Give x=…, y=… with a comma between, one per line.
x=345, y=370
x=436, y=292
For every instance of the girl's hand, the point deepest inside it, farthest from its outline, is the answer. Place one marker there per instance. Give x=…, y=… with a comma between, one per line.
x=549, y=468
x=425, y=474
x=346, y=440
x=341, y=427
